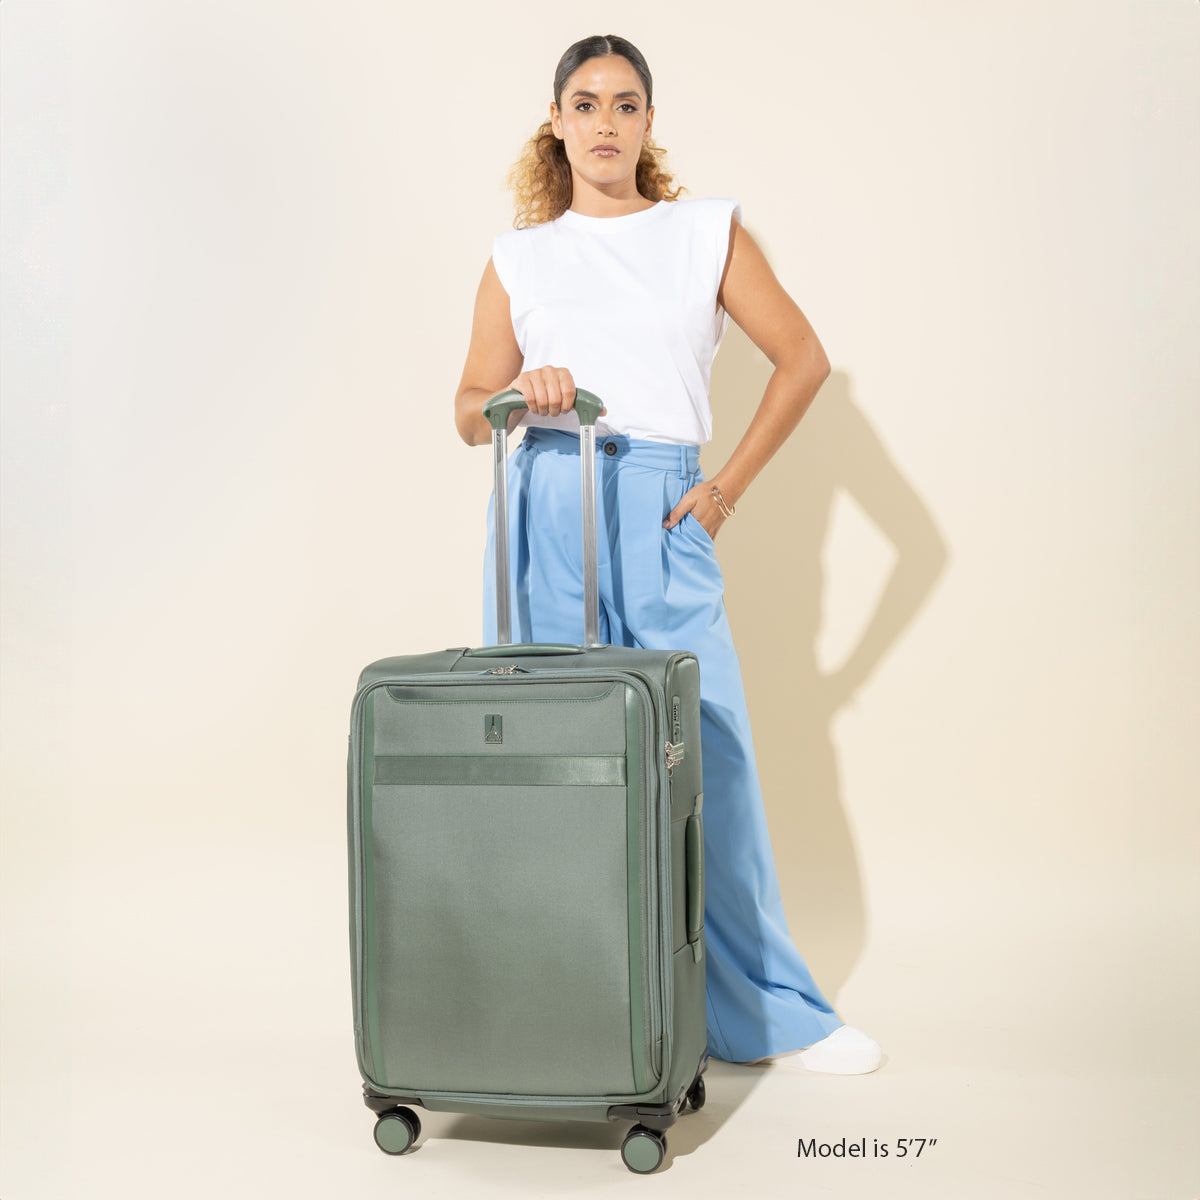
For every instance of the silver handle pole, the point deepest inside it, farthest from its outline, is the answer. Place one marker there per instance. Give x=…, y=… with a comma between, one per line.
x=500, y=521
x=497, y=410
x=591, y=574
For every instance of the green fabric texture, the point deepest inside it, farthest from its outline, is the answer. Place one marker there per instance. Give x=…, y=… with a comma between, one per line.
x=494, y=976
x=516, y=942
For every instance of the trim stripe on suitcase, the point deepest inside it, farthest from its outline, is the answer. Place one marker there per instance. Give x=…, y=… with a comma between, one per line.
x=515, y=770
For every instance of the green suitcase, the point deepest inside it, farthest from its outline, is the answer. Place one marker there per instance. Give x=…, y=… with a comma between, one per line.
x=527, y=875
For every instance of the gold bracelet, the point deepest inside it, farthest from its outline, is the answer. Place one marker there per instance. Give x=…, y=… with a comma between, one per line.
x=727, y=509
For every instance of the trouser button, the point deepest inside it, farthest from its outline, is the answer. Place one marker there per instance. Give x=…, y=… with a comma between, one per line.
x=610, y=448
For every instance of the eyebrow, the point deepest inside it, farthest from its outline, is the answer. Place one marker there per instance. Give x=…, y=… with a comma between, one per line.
x=616, y=95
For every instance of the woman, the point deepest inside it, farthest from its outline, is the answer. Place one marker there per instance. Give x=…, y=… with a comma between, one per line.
x=614, y=283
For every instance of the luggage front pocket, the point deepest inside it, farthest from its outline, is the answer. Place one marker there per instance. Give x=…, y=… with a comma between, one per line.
x=507, y=898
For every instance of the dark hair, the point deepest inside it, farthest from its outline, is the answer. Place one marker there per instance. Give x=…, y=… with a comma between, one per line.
x=541, y=177
x=599, y=46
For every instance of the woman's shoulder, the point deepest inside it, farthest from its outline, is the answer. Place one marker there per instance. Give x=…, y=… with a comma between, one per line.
x=706, y=220
x=527, y=233
x=705, y=209
x=530, y=229
x=515, y=243
x=516, y=250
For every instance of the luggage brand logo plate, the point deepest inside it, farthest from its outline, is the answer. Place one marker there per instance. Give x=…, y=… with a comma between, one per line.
x=493, y=729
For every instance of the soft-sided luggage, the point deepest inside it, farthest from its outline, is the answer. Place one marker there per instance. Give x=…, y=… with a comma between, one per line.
x=526, y=873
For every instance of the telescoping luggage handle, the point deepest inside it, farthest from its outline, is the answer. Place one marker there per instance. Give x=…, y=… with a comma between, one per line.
x=497, y=411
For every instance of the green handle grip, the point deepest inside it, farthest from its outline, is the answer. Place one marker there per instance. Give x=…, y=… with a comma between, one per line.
x=528, y=650
x=498, y=409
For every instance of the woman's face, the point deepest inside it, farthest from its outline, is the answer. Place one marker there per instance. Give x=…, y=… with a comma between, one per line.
x=603, y=121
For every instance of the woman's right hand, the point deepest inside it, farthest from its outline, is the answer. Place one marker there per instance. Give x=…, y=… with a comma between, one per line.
x=548, y=391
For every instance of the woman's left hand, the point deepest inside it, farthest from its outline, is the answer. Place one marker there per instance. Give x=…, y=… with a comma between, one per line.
x=700, y=503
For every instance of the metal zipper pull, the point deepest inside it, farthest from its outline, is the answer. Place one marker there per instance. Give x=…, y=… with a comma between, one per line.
x=513, y=670
x=674, y=755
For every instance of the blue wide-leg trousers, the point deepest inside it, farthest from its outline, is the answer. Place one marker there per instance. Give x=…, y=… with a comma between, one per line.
x=662, y=589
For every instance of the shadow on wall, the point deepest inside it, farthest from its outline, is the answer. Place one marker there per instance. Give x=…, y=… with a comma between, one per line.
x=774, y=570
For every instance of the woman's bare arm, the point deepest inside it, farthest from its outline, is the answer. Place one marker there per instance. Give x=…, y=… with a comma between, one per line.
x=758, y=303
x=493, y=359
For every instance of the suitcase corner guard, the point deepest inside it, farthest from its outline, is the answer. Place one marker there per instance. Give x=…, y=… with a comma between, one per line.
x=377, y=1102
x=661, y=1117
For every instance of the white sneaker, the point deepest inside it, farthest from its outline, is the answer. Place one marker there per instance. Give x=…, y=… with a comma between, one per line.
x=846, y=1051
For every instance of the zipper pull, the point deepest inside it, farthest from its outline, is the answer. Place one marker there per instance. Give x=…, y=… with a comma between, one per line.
x=513, y=670
x=674, y=755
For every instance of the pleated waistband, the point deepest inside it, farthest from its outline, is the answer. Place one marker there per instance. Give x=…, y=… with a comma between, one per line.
x=636, y=452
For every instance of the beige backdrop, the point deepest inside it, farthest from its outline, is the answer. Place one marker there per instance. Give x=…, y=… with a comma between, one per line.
x=241, y=244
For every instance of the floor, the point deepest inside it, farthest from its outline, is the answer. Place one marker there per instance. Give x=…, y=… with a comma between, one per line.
x=179, y=1049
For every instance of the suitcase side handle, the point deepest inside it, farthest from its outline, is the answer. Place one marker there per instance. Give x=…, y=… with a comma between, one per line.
x=694, y=844
x=526, y=650
x=497, y=409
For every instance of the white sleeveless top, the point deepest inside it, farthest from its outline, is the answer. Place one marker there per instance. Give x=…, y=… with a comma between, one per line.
x=629, y=306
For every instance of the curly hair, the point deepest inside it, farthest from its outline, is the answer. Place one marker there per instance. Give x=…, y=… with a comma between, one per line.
x=541, y=178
